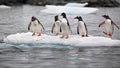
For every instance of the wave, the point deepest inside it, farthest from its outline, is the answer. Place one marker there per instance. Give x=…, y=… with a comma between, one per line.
x=74, y=40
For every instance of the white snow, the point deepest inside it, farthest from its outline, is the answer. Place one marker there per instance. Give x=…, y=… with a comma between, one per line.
x=69, y=9
x=74, y=40
x=77, y=4
x=4, y=6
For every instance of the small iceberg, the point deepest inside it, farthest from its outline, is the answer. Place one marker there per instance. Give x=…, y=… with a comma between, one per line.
x=4, y=6
x=53, y=9
x=76, y=4
x=74, y=40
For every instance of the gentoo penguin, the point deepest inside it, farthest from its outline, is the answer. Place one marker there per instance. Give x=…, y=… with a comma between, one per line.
x=65, y=27
x=56, y=26
x=81, y=28
x=35, y=26
x=109, y=25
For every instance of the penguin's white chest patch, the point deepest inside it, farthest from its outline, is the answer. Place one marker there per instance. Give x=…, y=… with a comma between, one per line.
x=64, y=26
x=57, y=26
x=35, y=26
x=82, y=28
x=35, y=23
x=108, y=25
x=64, y=23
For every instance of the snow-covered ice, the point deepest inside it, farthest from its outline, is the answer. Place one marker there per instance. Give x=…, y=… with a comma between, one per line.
x=74, y=40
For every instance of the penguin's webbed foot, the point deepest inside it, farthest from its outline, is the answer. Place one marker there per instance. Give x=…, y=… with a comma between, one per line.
x=83, y=35
x=62, y=37
x=39, y=34
x=33, y=34
x=110, y=34
x=105, y=33
x=67, y=37
x=57, y=34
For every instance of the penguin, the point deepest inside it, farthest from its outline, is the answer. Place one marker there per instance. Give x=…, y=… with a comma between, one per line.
x=35, y=26
x=56, y=26
x=65, y=26
x=81, y=28
x=109, y=25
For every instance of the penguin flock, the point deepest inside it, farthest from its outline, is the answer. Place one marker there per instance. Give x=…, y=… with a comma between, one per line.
x=62, y=26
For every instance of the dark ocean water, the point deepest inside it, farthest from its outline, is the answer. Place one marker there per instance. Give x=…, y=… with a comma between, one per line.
x=16, y=19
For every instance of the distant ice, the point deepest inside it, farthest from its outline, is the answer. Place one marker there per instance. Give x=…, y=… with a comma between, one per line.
x=77, y=4
x=4, y=6
x=70, y=8
x=74, y=40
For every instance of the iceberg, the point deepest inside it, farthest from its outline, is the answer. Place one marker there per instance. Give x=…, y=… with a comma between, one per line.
x=52, y=9
x=4, y=6
x=77, y=4
x=74, y=40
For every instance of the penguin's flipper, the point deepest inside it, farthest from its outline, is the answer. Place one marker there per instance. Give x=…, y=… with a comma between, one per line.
x=53, y=28
x=77, y=30
x=115, y=24
x=29, y=26
x=112, y=29
x=86, y=29
x=41, y=24
x=60, y=29
x=102, y=23
x=68, y=25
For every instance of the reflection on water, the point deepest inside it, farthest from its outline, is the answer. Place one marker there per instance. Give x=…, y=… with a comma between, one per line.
x=35, y=57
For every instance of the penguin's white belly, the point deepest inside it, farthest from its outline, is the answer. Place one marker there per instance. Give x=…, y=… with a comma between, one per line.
x=35, y=27
x=57, y=27
x=64, y=28
x=82, y=28
x=108, y=26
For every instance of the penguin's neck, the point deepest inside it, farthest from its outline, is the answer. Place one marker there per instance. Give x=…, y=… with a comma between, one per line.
x=56, y=19
x=64, y=16
x=35, y=21
x=109, y=19
x=80, y=20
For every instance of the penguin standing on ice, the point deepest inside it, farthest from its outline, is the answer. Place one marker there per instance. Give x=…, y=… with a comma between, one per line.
x=56, y=26
x=35, y=26
x=109, y=25
x=81, y=28
x=65, y=27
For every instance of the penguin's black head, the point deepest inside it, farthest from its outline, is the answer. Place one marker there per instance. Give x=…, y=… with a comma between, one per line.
x=33, y=18
x=56, y=17
x=76, y=17
x=63, y=14
x=79, y=18
x=106, y=16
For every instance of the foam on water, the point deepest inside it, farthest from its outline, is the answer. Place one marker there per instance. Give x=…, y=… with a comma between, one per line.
x=52, y=9
x=74, y=40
